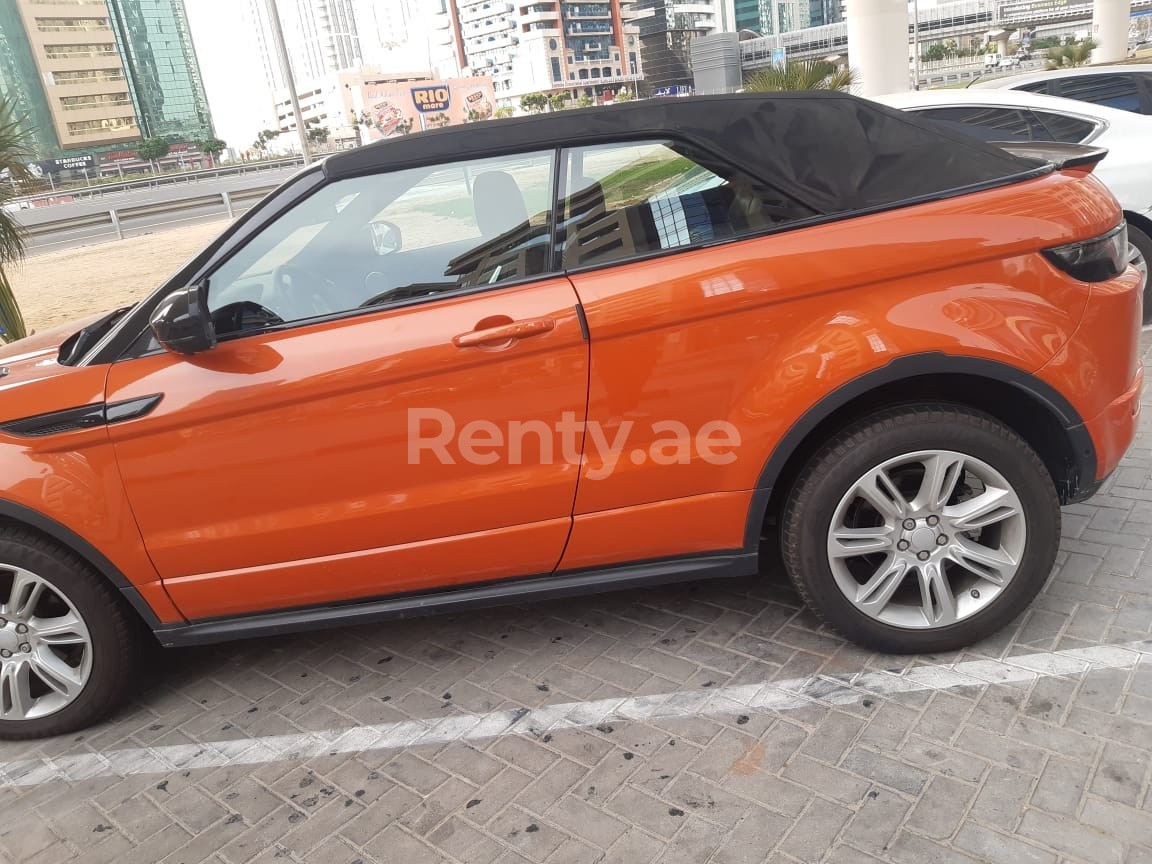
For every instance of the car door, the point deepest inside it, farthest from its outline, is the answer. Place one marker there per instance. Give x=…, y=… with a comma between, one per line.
x=678, y=330
x=354, y=432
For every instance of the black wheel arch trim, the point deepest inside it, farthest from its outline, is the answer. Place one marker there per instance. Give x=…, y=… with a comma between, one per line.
x=1139, y=221
x=68, y=538
x=1081, y=481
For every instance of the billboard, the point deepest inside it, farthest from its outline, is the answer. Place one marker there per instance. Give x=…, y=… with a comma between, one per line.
x=68, y=163
x=397, y=108
x=1018, y=10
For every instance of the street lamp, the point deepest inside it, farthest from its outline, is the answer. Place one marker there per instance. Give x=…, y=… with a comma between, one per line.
x=915, y=44
x=286, y=69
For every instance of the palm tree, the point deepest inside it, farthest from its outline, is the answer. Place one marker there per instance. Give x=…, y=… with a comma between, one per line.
x=800, y=75
x=15, y=153
x=1074, y=54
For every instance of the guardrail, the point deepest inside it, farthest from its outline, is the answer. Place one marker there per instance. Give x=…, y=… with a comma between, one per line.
x=81, y=193
x=957, y=74
x=114, y=222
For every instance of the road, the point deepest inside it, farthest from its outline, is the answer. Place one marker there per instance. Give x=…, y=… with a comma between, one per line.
x=73, y=237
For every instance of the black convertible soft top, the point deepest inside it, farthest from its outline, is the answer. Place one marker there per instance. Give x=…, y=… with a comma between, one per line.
x=829, y=150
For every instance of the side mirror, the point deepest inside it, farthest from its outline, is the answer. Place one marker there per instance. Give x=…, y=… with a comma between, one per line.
x=182, y=324
x=386, y=237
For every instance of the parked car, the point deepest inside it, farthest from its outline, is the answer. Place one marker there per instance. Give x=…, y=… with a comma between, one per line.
x=1126, y=88
x=527, y=358
x=1019, y=116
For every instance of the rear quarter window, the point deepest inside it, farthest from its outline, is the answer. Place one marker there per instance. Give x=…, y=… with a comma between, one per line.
x=1070, y=130
x=990, y=123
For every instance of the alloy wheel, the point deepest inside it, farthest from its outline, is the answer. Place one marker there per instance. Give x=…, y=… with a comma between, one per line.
x=926, y=539
x=45, y=647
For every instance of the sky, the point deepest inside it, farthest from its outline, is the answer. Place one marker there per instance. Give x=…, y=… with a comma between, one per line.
x=237, y=92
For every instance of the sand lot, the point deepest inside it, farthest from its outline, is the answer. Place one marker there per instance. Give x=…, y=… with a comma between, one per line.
x=59, y=286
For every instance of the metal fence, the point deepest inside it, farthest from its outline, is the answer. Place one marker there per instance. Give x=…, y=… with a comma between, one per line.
x=84, y=193
x=119, y=222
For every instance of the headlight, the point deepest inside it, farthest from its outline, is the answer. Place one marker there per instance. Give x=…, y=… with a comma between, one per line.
x=1093, y=260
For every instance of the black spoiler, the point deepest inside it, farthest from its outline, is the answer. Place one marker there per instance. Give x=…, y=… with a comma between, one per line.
x=1057, y=153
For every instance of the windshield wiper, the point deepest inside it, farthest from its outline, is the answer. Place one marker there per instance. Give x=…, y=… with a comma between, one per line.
x=80, y=342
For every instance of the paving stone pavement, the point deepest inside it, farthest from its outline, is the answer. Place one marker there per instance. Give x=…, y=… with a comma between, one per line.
x=1040, y=771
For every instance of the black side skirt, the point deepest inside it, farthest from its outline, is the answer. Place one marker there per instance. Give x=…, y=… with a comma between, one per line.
x=643, y=574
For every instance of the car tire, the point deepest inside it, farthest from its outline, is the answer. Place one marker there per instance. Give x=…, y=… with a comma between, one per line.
x=1141, y=243
x=879, y=592
x=72, y=654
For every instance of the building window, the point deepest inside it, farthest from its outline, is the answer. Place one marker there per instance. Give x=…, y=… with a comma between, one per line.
x=595, y=73
x=557, y=74
x=77, y=103
x=583, y=74
x=607, y=71
x=58, y=25
x=87, y=76
x=66, y=52
x=110, y=124
x=552, y=45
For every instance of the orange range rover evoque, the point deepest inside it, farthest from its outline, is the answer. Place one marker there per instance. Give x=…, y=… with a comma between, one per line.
x=594, y=349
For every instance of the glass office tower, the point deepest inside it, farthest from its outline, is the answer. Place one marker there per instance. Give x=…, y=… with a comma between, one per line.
x=20, y=81
x=155, y=44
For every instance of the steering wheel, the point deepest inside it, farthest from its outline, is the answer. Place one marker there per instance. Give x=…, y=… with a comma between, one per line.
x=298, y=292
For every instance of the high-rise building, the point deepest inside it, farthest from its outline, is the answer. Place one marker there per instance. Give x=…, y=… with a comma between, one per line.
x=76, y=73
x=747, y=15
x=156, y=48
x=770, y=17
x=823, y=12
x=406, y=34
x=320, y=37
x=91, y=74
x=585, y=47
x=668, y=28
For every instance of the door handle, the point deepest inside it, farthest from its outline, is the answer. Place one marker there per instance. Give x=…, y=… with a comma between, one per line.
x=504, y=332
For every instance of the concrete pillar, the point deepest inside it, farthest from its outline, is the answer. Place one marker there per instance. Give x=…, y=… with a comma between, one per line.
x=1110, y=19
x=878, y=46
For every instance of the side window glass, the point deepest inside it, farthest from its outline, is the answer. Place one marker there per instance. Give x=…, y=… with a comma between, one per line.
x=1070, y=130
x=625, y=200
x=987, y=124
x=1115, y=91
x=384, y=238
